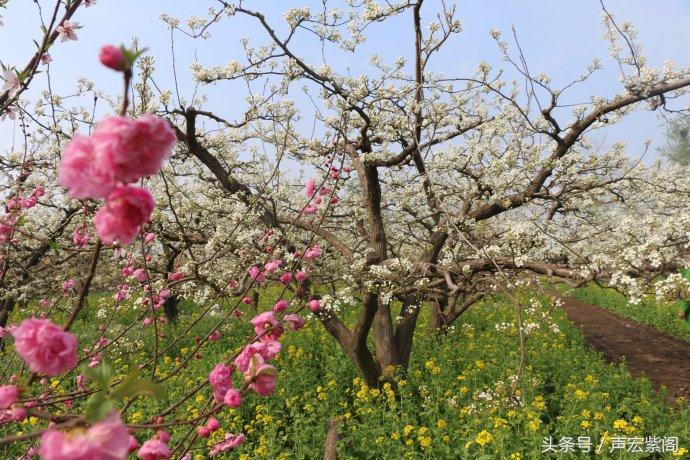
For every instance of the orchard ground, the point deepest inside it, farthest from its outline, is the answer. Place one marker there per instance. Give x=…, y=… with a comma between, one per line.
x=459, y=398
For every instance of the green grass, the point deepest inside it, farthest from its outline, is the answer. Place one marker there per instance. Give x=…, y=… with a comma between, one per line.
x=662, y=316
x=440, y=408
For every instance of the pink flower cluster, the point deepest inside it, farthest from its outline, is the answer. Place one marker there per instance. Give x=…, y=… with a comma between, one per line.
x=230, y=442
x=119, y=152
x=105, y=440
x=155, y=448
x=9, y=394
x=45, y=347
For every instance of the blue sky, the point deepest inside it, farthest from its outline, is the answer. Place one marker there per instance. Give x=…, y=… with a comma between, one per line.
x=558, y=37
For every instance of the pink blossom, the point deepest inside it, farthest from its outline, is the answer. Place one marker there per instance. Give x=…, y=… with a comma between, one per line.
x=154, y=449
x=175, y=276
x=230, y=442
x=266, y=326
x=105, y=440
x=12, y=83
x=280, y=306
x=260, y=351
x=149, y=237
x=232, y=398
x=67, y=30
x=10, y=112
x=325, y=191
x=213, y=424
x=45, y=347
x=9, y=394
x=80, y=237
x=203, y=432
x=214, y=336
x=262, y=378
x=273, y=265
x=140, y=275
x=132, y=149
x=301, y=276
x=247, y=300
x=313, y=252
x=126, y=209
x=256, y=274
x=68, y=285
x=133, y=444
x=121, y=293
x=314, y=305
x=311, y=209
x=164, y=436
x=80, y=173
x=220, y=379
x=286, y=277
x=112, y=57
x=147, y=321
x=296, y=322
x=44, y=303
x=310, y=188
x=18, y=413
x=46, y=58
x=128, y=270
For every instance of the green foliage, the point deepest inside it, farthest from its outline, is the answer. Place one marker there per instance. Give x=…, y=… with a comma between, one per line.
x=457, y=399
x=110, y=391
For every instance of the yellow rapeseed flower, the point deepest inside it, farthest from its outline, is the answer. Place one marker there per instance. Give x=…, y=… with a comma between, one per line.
x=484, y=438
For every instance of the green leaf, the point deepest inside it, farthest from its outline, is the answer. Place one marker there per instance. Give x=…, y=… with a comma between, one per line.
x=102, y=374
x=132, y=386
x=98, y=407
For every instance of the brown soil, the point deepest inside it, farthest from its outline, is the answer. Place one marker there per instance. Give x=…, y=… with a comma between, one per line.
x=663, y=359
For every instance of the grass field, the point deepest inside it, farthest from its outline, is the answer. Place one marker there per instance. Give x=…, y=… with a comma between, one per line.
x=454, y=401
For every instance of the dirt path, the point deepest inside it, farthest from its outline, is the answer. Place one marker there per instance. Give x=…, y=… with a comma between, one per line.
x=662, y=358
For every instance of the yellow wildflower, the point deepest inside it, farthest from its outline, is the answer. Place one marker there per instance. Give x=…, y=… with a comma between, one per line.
x=484, y=438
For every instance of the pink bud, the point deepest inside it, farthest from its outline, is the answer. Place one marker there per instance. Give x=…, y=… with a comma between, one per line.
x=280, y=306
x=176, y=276
x=18, y=414
x=112, y=58
x=133, y=444
x=314, y=305
x=203, y=431
x=163, y=436
x=233, y=398
x=212, y=424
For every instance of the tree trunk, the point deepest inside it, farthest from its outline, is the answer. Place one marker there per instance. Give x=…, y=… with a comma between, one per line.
x=438, y=319
x=6, y=308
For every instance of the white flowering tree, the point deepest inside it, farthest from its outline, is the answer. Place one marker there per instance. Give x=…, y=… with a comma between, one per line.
x=445, y=186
